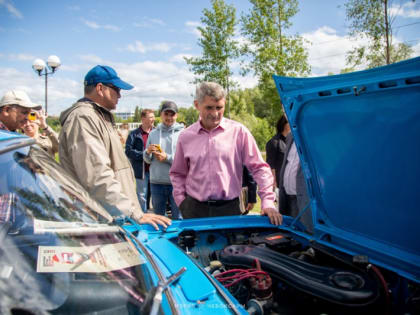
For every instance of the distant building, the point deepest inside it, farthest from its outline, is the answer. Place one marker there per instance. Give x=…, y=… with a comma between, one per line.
x=131, y=126
x=124, y=115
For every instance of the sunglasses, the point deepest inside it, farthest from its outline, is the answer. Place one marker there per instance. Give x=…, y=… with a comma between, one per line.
x=111, y=86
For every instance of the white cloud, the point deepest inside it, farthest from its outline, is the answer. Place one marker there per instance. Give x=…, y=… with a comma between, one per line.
x=62, y=92
x=11, y=8
x=192, y=27
x=179, y=58
x=149, y=23
x=162, y=47
x=416, y=49
x=21, y=57
x=155, y=82
x=248, y=81
x=327, y=51
x=407, y=10
x=139, y=47
x=92, y=25
x=97, y=26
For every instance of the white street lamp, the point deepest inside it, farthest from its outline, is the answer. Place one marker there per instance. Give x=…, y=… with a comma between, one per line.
x=39, y=66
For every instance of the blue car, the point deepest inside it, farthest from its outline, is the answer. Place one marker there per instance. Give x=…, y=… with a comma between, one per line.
x=62, y=253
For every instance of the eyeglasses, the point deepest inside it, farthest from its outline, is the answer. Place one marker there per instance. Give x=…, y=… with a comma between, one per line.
x=111, y=86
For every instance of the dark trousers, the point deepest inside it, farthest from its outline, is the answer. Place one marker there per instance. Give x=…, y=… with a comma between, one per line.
x=192, y=208
x=292, y=208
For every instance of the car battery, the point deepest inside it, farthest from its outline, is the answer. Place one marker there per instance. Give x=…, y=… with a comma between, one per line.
x=279, y=241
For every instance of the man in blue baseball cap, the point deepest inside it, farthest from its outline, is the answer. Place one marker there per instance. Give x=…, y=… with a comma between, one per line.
x=91, y=150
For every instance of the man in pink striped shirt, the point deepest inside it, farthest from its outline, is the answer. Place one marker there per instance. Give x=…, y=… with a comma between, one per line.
x=206, y=173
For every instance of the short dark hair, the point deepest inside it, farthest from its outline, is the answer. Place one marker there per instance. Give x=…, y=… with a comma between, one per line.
x=146, y=111
x=89, y=88
x=281, y=123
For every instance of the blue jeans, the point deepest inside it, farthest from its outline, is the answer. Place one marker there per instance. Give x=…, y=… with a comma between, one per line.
x=142, y=191
x=160, y=195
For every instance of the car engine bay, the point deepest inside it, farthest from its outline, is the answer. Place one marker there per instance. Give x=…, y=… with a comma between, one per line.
x=277, y=272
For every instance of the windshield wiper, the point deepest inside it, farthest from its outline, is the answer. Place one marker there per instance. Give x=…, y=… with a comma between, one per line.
x=154, y=298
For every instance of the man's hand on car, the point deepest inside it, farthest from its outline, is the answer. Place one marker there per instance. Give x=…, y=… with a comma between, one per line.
x=275, y=217
x=154, y=220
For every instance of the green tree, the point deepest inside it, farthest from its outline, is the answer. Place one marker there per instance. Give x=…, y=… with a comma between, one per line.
x=187, y=115
x=242, y=101
x=372, y=20
x=259, y=128
x=270, y=50
x=218, y=46
x=54, y=123
x=137, y=115
x=117, y=119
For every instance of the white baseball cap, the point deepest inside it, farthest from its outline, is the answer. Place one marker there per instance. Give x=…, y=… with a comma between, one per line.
x=17, y=97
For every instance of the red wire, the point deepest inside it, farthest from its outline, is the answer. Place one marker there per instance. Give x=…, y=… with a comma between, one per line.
x=253, y=273
x=240, y=274
x=384, y=284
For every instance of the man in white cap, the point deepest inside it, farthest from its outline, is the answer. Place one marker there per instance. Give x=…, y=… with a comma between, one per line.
x=15, y=107
x=91, y=150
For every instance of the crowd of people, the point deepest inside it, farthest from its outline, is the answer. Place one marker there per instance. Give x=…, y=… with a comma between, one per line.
x=211, y=168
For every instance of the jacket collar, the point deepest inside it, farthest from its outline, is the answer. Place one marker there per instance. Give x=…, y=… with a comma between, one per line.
x=105, y=112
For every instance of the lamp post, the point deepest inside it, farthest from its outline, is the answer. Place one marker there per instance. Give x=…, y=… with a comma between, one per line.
x=39, y=66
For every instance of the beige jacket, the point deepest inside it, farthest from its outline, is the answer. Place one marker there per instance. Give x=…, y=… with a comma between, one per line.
x=90, y=149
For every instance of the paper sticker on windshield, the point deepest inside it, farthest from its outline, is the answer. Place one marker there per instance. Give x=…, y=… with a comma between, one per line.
x=74, y=228
x=98, y=258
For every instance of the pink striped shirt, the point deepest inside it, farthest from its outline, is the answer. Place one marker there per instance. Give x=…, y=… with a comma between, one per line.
x=208, y=165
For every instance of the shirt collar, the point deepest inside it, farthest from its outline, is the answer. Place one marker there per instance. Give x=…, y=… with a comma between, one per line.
x=222, y=125
x=145, y=132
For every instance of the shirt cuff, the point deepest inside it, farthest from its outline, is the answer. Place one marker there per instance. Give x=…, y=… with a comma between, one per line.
x=265, y=204
x=179, y=199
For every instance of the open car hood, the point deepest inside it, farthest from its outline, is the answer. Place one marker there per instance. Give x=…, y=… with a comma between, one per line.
x=358, y=137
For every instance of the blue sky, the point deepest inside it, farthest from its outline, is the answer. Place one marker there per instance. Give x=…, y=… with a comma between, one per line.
x=145, y=42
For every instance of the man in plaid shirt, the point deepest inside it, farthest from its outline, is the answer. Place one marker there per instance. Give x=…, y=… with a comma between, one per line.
x=15, y=107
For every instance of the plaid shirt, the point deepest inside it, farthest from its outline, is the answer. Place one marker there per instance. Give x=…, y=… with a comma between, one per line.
x=2, y=126
x=6, y=201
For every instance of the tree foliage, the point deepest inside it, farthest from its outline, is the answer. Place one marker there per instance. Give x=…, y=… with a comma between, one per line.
x=137, y=115
x=259, y=128
x=242, y=101
x=217, y=43
x=271, y=50
x=187, y=115
x=54, y=123
x=372, y=20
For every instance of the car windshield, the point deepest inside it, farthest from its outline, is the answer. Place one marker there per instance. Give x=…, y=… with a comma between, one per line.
x=59, y=250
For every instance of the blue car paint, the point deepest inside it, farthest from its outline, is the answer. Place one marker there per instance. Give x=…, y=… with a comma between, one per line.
x=10, y=135
x=194, y=292
x=358, y=139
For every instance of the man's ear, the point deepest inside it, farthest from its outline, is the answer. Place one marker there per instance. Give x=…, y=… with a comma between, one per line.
x=99, y=89
x=196, y=104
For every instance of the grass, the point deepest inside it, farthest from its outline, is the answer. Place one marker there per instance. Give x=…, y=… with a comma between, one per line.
x=257, y=206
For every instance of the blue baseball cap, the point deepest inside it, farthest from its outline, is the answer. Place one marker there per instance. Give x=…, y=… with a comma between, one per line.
x=105, y=74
